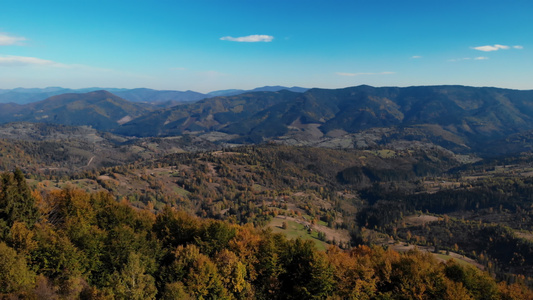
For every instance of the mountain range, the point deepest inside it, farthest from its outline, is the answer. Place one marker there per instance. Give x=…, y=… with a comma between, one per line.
x=164, y=98
x=458, y=118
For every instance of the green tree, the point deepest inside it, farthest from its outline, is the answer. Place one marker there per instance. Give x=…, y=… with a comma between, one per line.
x=133, y=282
x=198, y=273
x=176, y=290
x=215, y=237
x=233, y=273
x=16, y=200
x=175, y=228
x=297, y=260
x=55, y=255
x=322, y=282
x=478, y=283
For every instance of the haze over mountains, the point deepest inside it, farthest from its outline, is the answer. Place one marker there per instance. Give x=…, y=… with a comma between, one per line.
x=29, y=95
x=459, y=118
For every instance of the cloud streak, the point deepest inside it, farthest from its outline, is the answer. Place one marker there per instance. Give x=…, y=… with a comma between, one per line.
x=360, y=74
x=496, y=47
x=468, y=58
x=26, y=61
x=249, y=39
x=6, y=40
x=15, y=61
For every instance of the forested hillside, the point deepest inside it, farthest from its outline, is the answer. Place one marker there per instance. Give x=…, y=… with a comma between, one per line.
x=478, y=214
x=456, y=209
x=72, y=244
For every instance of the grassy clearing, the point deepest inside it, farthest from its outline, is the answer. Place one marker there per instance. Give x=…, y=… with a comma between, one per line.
x=296, y=230
x=448, y=257
x=258, y=188
x=180, y=191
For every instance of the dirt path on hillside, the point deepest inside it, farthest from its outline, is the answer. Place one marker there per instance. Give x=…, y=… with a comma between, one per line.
x=90, y=160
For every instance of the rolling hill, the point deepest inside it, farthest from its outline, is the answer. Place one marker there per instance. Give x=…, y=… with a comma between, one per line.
x=30, y=95
x=99, y=109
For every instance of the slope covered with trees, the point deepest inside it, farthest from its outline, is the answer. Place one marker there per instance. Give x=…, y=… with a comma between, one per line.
x=99, y=109
x=73, y=244
x=339, y=197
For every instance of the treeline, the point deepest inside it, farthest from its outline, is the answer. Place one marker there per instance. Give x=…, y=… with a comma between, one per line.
x=502, y=195
x=417, y=164
x=490, y=163
x=496, y=246
x=69, y=244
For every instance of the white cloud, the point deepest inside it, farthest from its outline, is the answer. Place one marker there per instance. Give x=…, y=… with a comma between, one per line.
x=249, y=39
x=518, y=47
x=359, y=74
x=501, y=46
x=6, y=40
x=10, y=61
x=416, y=56
x=26, y=61
x=468, y=58
x=489, y=48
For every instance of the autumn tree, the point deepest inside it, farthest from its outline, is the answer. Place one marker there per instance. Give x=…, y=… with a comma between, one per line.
x=15, y=275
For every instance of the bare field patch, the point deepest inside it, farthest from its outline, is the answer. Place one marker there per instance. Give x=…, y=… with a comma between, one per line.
x=417, y=220
x=524, y=235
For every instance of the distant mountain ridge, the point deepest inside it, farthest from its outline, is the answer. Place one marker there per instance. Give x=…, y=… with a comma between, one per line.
x=98, y=109
x=30, y=95
x=275, y=88
x=164, y=98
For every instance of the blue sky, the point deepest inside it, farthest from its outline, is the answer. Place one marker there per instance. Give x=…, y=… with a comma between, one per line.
x=210, y=45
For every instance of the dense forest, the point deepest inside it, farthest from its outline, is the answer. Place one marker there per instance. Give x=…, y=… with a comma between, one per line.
x=69, y=244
